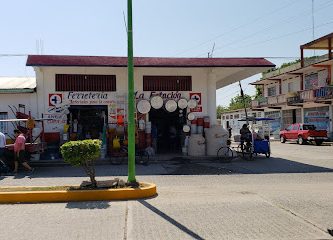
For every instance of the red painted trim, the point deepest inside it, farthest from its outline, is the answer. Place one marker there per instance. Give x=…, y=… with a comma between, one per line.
x=102, y=61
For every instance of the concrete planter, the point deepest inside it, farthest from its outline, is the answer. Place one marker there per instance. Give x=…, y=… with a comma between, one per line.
x=148, y=190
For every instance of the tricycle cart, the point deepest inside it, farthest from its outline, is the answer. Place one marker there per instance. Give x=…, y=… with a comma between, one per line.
x=260, y=140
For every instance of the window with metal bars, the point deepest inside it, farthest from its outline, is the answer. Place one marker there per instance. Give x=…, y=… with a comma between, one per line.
x=167, y=83
x=85, y=83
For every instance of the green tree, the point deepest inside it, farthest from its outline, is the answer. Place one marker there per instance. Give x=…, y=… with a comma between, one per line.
x=83, y=153
x=259, y=91
x=237, y=102
x=219, y=110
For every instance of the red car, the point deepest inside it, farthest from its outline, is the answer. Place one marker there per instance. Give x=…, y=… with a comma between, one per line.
x=302, y=133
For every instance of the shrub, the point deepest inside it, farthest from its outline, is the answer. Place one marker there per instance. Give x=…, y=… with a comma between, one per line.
x=83, y=153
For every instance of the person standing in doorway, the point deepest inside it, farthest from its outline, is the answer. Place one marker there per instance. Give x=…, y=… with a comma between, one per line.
x=19, y=152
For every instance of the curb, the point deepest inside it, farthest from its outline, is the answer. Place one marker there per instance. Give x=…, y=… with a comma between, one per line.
x=79, y=195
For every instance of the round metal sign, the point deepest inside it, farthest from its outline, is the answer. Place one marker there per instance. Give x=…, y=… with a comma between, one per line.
x=182, y=103
x=156, y=102
x=190, y=116
x=143, y=106
x=186, y=128
x=171, y=105
x=192, y=103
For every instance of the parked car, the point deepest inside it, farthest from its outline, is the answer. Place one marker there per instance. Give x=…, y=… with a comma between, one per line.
x=302, y=133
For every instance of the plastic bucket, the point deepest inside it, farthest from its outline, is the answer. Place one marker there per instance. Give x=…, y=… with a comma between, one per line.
x=200, y=121
x=200, y=129
x=194, y=121
x=194, y=129
x=206, y=124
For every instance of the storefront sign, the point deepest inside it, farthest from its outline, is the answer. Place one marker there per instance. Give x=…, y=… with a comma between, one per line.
x=318, y=117
x=197, y=97
x=89, y=98
x=55, y=99
x=165, y=95
x=56, y=118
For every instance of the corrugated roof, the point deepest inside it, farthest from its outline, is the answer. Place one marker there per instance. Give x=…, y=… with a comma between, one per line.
x=102, y=61
x=17, y=84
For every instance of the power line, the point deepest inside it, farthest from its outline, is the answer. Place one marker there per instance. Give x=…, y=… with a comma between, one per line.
x=13, y=55
x=286, y=35
x=286, y=20
x=236, y=28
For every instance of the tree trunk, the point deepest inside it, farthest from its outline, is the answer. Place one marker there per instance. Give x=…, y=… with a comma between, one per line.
x=93, y=180
x=90, y=171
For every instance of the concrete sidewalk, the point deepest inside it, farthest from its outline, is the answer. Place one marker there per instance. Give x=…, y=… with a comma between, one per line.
x=289, y=196
x=246, y=206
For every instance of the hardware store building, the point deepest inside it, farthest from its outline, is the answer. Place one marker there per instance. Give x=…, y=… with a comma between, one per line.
x=84, y=95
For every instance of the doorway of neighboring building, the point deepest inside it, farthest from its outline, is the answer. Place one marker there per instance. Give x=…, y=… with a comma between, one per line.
x=169, y=129
x=86, y=122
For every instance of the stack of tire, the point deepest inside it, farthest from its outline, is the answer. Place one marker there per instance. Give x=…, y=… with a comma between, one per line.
x=216, y=137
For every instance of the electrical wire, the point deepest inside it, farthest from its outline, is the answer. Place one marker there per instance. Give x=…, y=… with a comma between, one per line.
x=287, y=20
x=13, y=55
x=235, y=28
x=284, y=35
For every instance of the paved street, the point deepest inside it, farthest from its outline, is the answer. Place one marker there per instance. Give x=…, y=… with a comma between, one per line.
x=289, y=196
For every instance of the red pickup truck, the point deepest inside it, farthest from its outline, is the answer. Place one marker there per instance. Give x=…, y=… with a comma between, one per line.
x=302, y=133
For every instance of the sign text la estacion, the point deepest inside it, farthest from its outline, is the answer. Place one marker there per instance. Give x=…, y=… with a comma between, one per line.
x=165, y=95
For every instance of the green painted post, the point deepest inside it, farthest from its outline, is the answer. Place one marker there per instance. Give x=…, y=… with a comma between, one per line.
x=131, y=100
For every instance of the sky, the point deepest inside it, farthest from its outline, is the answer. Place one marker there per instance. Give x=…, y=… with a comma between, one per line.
x=172, y=28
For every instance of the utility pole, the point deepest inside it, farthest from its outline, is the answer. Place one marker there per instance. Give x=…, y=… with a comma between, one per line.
x=242, y=95
x=131, y=100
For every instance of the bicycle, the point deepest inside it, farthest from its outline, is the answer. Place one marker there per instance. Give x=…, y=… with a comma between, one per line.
x=225, y=154
x=246, y=149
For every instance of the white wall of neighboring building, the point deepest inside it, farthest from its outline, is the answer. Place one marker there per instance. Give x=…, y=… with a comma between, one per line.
x=234, y=117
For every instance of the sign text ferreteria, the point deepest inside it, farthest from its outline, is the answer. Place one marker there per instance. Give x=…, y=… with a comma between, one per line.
x=86, y=96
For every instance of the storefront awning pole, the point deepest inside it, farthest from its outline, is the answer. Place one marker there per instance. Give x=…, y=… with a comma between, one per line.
x=131, y=100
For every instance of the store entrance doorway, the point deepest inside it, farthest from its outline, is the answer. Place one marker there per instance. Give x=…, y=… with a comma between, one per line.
x=86, y=122
x=169, y=127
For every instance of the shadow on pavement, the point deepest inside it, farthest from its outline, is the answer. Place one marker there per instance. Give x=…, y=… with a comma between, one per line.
x=262, y=165
x=170, y=220
x=185, y=166
x=88, y=205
